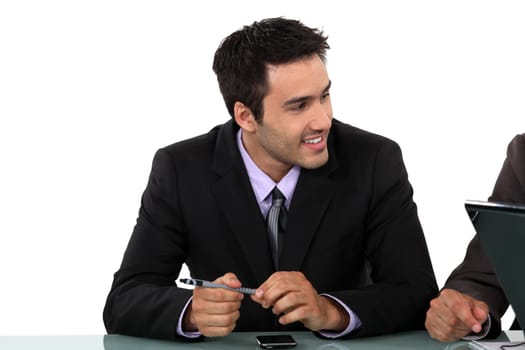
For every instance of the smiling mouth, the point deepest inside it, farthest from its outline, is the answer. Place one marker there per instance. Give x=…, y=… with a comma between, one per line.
x=313, y=141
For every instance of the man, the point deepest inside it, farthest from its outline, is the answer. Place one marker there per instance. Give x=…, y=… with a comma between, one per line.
x=472, y=302
x=352, y=260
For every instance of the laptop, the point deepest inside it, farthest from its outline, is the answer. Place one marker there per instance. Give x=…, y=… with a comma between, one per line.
x=501, y=229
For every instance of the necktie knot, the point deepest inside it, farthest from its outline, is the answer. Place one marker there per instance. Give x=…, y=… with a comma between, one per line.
x=277, y=198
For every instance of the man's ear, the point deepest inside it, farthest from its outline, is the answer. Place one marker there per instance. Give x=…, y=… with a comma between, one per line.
x=244, y=117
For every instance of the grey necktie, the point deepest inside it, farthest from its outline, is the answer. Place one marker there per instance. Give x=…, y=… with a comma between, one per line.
x=276, y=223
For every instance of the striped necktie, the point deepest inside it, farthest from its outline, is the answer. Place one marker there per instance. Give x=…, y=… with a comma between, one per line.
x=276, y=224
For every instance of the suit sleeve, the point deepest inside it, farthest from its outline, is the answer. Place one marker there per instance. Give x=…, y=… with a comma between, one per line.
x=144, y=300
x=475, y=276
x=402, y=278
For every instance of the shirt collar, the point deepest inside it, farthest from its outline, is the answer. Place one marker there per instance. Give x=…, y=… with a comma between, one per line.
x=261, y=183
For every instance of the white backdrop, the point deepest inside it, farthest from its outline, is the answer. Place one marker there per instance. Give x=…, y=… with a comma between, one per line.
x=90, y=89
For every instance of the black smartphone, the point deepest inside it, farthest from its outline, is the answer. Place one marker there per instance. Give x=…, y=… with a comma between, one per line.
x=277, y=341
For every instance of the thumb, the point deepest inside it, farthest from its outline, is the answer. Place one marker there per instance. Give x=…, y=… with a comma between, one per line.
x=481, y=315
x=229, y=279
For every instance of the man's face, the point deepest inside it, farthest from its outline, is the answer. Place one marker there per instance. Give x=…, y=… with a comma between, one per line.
x=296, y=121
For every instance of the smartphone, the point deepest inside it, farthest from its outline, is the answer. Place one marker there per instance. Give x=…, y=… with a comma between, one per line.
x=278, y=341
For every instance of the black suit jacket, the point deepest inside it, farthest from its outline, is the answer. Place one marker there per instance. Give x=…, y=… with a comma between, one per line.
x=352, y=229
x=475, y=276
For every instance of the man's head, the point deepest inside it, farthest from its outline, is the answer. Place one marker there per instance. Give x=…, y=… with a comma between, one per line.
x=241, y=61
x=274, y=80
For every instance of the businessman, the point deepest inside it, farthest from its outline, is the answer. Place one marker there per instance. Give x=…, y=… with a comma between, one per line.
x=472, y=302
x=338, y=249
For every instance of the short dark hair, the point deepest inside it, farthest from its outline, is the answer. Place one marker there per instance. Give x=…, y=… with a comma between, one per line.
x=241, y=60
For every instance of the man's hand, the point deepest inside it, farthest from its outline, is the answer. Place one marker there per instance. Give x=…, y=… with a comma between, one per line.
x=453, y=315
x=292, y=296
x=214, y=311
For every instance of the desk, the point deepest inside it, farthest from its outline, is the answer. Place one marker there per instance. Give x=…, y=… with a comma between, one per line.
x=235, y=341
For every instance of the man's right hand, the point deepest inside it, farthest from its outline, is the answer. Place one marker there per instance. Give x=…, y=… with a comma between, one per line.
x=214, y=311
x=453, y=315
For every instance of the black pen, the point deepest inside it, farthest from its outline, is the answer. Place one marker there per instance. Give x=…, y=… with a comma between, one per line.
x=208, y=284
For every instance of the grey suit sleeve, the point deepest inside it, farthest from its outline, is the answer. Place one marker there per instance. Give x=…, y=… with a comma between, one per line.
x=474, y=276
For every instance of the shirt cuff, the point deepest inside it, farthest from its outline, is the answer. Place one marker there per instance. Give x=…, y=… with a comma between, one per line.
x=354, y=323
x=189, y=335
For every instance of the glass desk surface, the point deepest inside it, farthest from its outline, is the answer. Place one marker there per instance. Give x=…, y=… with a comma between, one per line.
x=240, y=340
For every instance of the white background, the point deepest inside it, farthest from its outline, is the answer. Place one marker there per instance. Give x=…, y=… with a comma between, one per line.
x=90, y=89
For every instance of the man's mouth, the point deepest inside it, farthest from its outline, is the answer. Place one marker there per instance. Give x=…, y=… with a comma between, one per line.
x=313, y=141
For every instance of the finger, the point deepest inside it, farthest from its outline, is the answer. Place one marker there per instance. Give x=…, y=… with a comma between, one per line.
x=229, y=279
x=218, y=325
x=465, y=313
x=480, y=311
x=441, y=331
x=280, y=277
x=215, y=322
x=270, y=290
x=218, y=320
x=216, y=296
x=462, y=308
x=282, y=283
x=312, y=310
x=216, y=331
x=288, y=302
x=221, y=308
x=442, y=323
x=450, y=324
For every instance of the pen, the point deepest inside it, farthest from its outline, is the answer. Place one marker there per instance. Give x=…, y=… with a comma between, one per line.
x=207, y=284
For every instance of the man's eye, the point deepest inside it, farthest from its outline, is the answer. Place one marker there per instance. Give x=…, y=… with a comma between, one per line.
x=299, y=106
x=325, y=96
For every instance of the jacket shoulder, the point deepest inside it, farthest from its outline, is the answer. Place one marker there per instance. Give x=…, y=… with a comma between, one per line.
x=347, y=135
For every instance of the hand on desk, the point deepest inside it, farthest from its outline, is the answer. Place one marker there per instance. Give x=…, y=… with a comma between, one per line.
x=453, y=315
x=292, y=296
x=214, y=311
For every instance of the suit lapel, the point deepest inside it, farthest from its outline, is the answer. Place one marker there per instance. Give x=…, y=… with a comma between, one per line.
x=313, y=193
x=310, y=201
x=235, y=196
